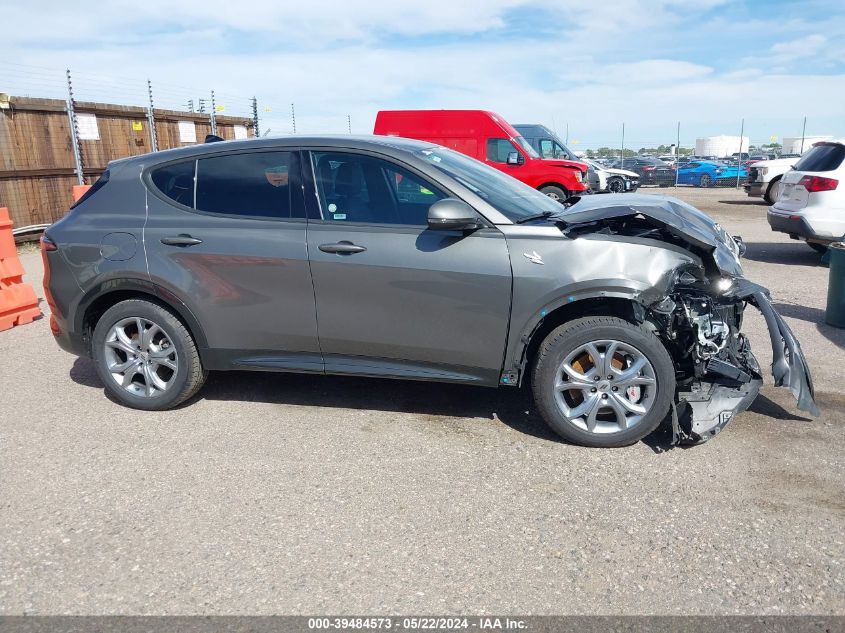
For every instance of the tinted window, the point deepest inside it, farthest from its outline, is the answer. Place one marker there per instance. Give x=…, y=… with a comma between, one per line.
x=254, y=184
x=101, y=181
x=176, y=181
x=498, y=149
x=359, y=188
x=825, y=157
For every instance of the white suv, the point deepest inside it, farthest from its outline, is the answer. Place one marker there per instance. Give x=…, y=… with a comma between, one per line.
x=811, y=205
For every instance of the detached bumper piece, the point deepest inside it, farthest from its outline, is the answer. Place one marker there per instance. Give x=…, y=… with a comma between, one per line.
x=707, y=405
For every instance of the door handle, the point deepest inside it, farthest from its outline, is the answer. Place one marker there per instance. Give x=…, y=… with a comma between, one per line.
x=180, y=240
x=342, y=248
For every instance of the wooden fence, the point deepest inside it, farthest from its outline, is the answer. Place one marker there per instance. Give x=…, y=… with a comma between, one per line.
x=37, y=166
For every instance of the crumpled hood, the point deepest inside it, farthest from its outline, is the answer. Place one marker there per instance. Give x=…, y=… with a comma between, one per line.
x=558, y=162
x=676, y=216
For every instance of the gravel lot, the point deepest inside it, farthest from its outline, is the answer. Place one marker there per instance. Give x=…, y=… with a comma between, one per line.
x=277, y=493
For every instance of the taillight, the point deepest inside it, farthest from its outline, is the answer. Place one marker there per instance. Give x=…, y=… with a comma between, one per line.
x=817, y=183
x=47, y=244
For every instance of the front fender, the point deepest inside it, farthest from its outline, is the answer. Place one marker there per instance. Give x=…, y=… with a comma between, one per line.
x=550, y=271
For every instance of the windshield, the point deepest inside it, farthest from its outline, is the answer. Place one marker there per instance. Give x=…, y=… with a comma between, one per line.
x=526, y=146
x=506, y=194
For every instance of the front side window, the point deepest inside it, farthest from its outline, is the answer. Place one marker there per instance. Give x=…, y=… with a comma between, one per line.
x=506, y=194
x=256, y=184
x=546, y=148
x=498, y=150
x=364, y=189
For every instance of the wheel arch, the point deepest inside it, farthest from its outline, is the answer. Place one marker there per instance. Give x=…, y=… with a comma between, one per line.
x=101, y=298
x=771, y=184
x=535, y=332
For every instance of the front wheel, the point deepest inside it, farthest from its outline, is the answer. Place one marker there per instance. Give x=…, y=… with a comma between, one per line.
x=616, y=185
x=559, y=194
x=145, y=356
x=603, y=382
x=773, y=192
x=705, y=181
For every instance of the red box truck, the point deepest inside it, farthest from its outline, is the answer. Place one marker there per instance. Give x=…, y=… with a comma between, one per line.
x=487, y=137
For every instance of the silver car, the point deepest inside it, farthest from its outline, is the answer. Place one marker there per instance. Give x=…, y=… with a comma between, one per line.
x=379, y=256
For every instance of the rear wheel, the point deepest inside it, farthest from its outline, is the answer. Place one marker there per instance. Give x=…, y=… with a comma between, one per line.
x=145, y=356
x=705, y=181
x=773, y=192
x=819, y=248
x=603, y=382
x=555, y=193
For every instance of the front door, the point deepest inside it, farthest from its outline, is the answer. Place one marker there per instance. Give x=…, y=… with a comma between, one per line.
x=226, y=235
x=395, y=298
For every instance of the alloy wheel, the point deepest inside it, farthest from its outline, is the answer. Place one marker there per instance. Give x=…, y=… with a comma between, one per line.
x=141, y=357
x=605, y=386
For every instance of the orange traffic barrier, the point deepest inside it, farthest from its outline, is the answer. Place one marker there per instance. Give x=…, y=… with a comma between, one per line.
x=18, y=303
x=79, y=191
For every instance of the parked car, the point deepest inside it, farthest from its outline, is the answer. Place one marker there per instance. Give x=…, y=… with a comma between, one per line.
x=704, y=173
x=600, y=178
x=764, y=178
x=608, y=180
x=488, y=137
x=387, y=257
x=811, y=205
x=651, y=171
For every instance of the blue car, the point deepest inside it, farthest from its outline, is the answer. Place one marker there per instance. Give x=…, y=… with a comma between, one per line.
x=706, y=173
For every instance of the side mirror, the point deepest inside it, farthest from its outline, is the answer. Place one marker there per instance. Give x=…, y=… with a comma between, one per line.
x=515, y=158
x=452, y=214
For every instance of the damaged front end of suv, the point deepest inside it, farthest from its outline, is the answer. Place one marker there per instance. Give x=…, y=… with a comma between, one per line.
x=696, y=308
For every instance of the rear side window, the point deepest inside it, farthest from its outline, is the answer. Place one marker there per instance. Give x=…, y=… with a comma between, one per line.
x=176, y=181
x=101, y=181
x=826, y=157
x=254, y=184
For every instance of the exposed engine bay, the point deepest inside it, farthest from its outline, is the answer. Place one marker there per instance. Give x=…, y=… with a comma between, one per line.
x=697, y=311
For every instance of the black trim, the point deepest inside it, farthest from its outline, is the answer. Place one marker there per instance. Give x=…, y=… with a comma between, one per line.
x=786, y=224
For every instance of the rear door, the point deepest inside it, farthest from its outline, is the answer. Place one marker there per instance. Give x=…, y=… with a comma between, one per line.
x=395, y=298
x=225, y=234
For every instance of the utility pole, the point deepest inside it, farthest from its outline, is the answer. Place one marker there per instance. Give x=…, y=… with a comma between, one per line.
x=255, y=131
x=567, y=134
x=803, y=134
x=74, y=131
x=349, y=123
x=677, y=153
x=739, y=158
x=293, y=118
x=151, y=118
x=622, y=152
x=213, y=116
x=190, y=105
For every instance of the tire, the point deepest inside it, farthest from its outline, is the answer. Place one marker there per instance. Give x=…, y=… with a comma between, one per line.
x=555, y=193
x=773, y=191
x=165, y=373
x=819, y=248
x=705, y=181
x=616, y=185
x=652, y=401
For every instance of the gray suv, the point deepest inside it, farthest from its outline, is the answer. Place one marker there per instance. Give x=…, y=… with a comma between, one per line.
x=381, y=256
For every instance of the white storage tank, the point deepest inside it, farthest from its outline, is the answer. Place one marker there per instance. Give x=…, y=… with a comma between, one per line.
x=720, y=146
x=792, y=144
